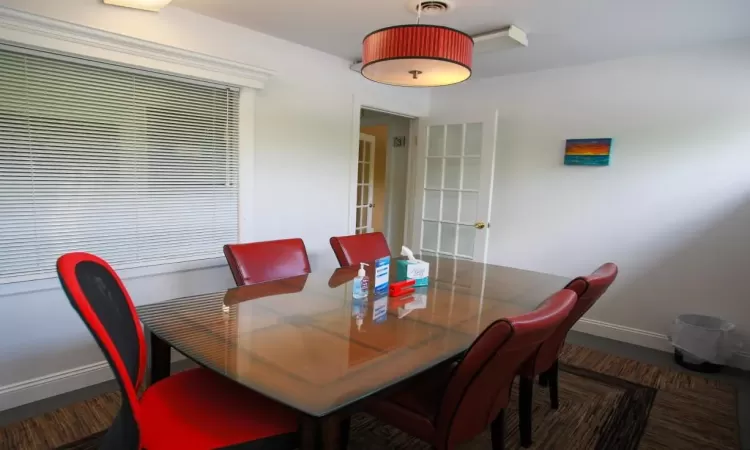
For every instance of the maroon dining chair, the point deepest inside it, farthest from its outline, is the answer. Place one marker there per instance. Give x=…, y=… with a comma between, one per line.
x=258, y=262
x=195, y=409
x=451, y=404
x=352, y=250
x=545, y=362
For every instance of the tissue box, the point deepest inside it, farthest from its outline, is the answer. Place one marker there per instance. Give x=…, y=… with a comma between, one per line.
x=418, y=271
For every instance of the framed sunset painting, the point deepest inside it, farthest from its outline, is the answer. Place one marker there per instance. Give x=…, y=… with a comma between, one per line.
x=587, y=152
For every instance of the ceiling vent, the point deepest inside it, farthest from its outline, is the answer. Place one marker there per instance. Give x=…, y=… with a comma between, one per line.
x=502, y=39
x=430, y=7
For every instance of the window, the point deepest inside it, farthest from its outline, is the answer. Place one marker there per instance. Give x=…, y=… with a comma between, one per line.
x=137, y=168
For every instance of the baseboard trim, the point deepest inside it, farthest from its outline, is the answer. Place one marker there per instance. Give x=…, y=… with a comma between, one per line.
x=741, y=360
x=39, y=388
x=46, y=386
x=643, y=338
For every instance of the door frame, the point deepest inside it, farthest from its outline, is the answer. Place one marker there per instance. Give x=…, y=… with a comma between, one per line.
x=357, y=107
x=417, y=162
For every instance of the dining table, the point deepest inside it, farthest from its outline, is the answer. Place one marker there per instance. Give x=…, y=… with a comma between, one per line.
x=307, y=343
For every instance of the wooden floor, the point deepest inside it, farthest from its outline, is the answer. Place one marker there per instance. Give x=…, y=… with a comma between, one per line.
x=607, y=402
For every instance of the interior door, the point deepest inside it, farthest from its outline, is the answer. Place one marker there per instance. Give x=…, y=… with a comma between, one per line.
x=365, y=183
x=453, y=189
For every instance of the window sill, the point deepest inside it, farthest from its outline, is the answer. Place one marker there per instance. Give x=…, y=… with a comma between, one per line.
x=48, y=283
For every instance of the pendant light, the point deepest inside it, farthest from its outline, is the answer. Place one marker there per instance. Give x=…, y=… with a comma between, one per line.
x=417, y=55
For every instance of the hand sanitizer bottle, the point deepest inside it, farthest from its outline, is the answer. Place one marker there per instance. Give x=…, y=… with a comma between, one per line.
x=361, y=282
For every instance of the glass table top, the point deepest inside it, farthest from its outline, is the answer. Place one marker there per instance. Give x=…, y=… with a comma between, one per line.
x=305, y=342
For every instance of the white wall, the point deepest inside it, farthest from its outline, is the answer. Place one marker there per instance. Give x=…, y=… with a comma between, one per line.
x=305, y=119
x=672, y=209
x=397, y=170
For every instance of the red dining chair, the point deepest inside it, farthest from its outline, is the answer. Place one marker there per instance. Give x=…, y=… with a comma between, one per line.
x=258, y=262
x=352, y=250
x=194, y=409
x=451, y=404
x=545, y=362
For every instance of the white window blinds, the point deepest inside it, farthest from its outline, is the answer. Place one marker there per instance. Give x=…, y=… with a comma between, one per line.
x=136, y=168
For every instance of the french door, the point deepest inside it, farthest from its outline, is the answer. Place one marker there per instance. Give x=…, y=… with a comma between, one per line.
x=453, y=191
x=365, y=183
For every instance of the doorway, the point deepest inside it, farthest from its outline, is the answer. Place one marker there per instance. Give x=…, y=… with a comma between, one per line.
x=382, y=176
x=366, y=183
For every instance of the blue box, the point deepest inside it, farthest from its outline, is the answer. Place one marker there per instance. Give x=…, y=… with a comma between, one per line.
x=382, y=274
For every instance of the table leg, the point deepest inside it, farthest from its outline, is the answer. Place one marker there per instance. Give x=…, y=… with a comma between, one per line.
x=324, y=433
x=330, y=433
x=160, y=358
x=308, y=433
x=345, y=426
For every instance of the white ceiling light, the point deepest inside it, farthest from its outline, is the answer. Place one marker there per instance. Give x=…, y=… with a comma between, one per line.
x=148, y=5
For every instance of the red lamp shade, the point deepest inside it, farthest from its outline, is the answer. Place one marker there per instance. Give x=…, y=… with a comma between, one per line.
x=417, y=55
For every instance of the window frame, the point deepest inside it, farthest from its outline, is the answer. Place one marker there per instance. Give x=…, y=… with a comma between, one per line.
x=29, y=33
x=83, y=124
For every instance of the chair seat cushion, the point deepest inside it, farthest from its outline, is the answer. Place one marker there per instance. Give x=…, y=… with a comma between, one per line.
x=198, y=409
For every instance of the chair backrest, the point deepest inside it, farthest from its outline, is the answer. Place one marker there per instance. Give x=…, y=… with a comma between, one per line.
x=258, y=262
x=99, y=297
x=480, y=384
x=589, y=290
x=352, y=250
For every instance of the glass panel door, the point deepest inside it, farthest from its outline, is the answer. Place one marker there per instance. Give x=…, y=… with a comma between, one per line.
x=453, y=201
x=365, y=183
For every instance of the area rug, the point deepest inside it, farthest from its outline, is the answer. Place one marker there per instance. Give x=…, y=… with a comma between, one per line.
x=606, y=403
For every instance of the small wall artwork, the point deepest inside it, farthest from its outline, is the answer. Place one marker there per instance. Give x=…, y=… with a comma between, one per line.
x=587, y=152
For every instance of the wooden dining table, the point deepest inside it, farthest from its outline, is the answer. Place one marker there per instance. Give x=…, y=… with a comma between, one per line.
x=307, y=343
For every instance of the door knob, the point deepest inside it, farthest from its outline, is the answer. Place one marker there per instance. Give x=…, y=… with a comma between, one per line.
x=479, y=225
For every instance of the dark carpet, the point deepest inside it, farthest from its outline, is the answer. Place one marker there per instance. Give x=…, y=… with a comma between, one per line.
x=606, y=403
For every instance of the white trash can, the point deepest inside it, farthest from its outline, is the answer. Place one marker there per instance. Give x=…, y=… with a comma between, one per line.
x=703, y=343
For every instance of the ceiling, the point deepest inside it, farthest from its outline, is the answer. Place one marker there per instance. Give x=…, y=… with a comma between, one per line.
x=561, y=32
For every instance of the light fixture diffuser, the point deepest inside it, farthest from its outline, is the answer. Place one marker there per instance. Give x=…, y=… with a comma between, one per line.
x=146, y=5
